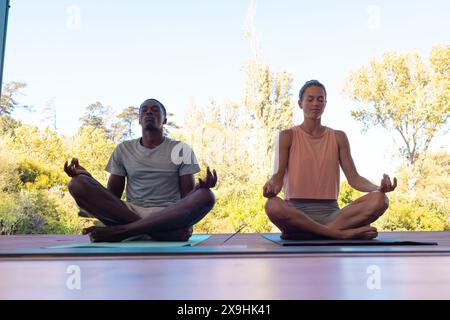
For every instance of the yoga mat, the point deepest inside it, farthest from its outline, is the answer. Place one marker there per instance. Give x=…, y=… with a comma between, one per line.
x=194, y=240
x=275, y=237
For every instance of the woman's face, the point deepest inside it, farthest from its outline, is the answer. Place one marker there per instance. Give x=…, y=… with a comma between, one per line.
x=313, y=102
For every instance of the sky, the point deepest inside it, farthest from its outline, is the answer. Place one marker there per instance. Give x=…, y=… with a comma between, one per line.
x=123, y=52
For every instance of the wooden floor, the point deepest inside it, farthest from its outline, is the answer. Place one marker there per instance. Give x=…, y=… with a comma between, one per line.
x=227, y=276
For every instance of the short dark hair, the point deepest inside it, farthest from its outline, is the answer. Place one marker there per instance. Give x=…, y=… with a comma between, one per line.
x=311, y=83
x=159, y=103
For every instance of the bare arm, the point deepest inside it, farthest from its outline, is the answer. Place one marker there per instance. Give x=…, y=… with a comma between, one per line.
x=187, y=183
x=116, y=184
x=275, y=184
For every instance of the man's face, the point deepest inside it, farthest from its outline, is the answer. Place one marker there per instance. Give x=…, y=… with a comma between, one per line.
x=313, y=102
x=151, y=115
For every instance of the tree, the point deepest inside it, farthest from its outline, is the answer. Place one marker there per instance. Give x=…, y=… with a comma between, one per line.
x=119, y=132
x=267, y=98
x=8, y=100
x=9, y=179
x=127, y=117
x=434, y=182
x=42, y=146
x=405, y=95
x=170, y=125
x=8, y=124
x=96, y=116
x=93, y=148
x=49, y=112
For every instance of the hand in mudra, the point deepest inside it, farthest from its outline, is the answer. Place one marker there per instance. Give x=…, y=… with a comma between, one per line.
x=386, y=185
x=74, y=169
x=272, y=187
x=210, y=180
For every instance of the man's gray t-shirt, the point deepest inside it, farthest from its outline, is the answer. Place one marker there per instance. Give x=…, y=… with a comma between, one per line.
x=152, y=174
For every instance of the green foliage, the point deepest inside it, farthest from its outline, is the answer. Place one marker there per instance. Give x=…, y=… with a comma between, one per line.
x=8, y=124
x=406, y=214
x=93, y=149
x=44, y=146
x=238, y=207
x=34, y=197
x=94, y=116
x=64, y=219
x=11, y=221
x=34, y=176
x=407, y=96
x=39, y=212
x=347, y=194
x=102, y=118
x=8, y=100
x=127, y=117
x=434, y=181
x=267, y=100
x=427, y=210
x=9, y=179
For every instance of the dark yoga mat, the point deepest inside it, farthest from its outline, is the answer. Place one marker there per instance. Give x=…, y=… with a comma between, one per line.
x=275, y=237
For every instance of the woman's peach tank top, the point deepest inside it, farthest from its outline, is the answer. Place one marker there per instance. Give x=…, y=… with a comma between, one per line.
x=313, y=166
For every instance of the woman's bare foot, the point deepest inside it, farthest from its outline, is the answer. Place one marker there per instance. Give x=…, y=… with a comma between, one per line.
x=363, y=233
x=301, y=236
x=107, y=234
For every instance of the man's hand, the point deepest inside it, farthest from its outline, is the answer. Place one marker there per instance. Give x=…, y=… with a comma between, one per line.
x=74, y=169
x=386, y=185
x=210, y=180
x=272, y=187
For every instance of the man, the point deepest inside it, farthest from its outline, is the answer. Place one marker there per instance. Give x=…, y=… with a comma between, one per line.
x=162, y=198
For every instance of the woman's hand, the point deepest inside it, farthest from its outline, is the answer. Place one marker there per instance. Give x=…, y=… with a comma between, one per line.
x=273, y=187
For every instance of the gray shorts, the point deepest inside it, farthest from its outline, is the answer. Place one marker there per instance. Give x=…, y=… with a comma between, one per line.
x=321, y=211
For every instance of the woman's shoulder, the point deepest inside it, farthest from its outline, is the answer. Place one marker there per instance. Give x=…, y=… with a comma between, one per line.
x=340, y=135
x=286, y=135
x=287, y=131
x=338, y=132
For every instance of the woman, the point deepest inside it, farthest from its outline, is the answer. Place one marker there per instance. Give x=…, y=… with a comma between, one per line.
x=309, y=156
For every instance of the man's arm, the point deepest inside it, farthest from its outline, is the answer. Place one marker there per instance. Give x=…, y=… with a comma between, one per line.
x=116, y=184
x=275, y=184
x=348, y=165
x=187, y=183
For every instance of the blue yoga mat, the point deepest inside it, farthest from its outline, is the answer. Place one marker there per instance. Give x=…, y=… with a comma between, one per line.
x=194, y=240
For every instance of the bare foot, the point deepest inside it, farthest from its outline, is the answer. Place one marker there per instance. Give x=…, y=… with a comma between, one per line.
x=106, y=234
x=301, y=236
x=363, y=233
x=182, y=234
